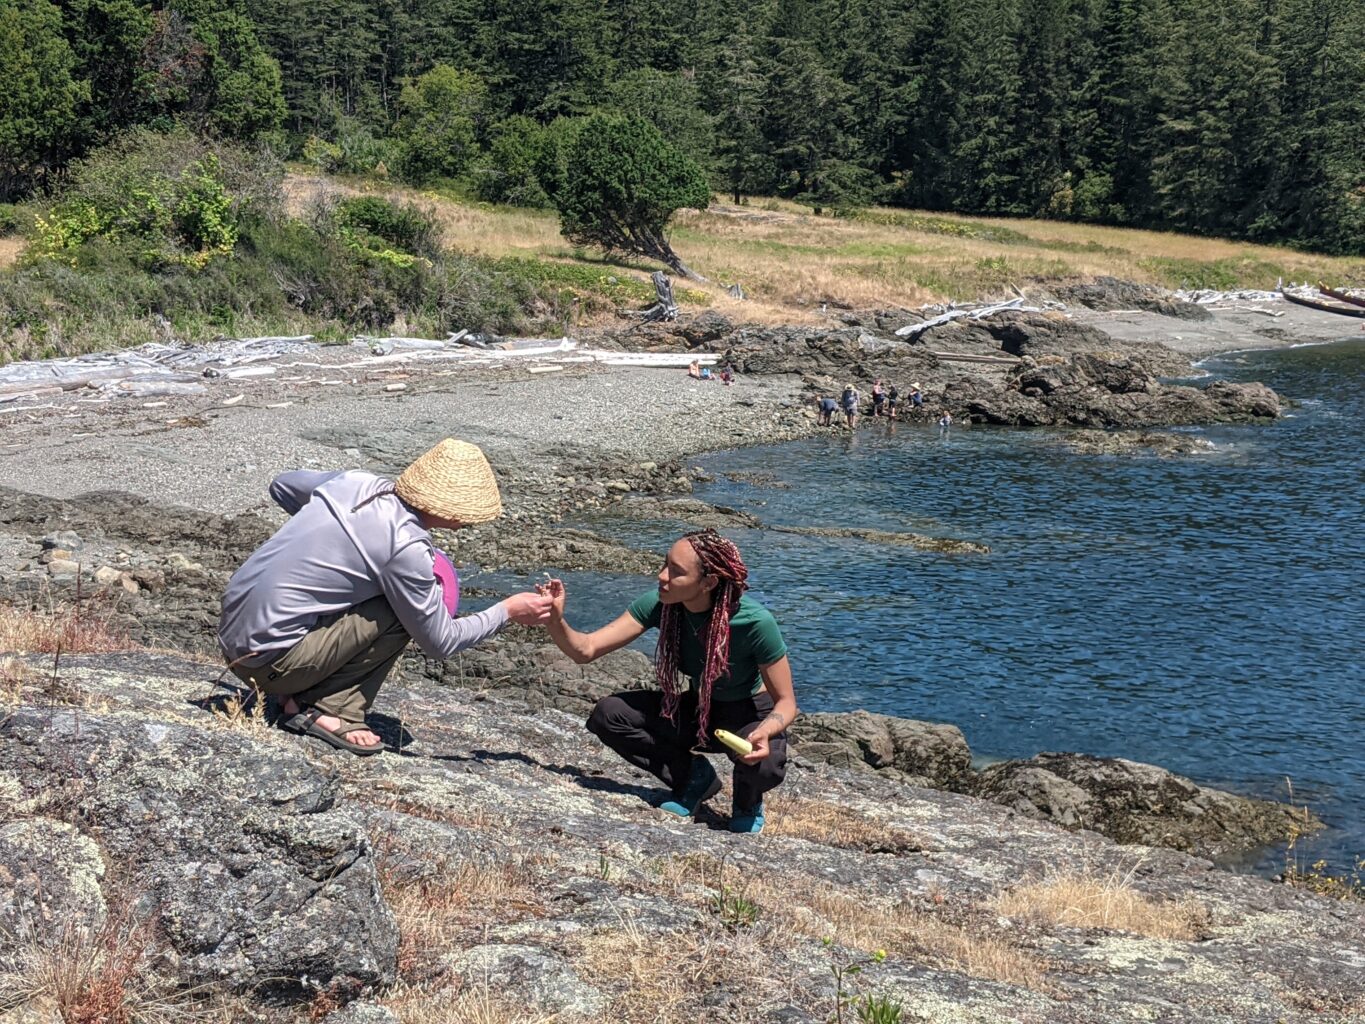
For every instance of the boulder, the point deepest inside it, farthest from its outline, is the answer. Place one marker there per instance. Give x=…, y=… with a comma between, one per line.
x=1111, y=293
x=923, y=753
x=256, y=881
x=705, y=328
x=1135, y=803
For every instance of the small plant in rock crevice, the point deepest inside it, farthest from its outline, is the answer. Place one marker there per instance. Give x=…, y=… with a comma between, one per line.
x=846, y=967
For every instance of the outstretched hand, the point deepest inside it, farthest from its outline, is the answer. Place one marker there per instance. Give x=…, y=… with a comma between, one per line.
x=528, y=609
x=554, y=590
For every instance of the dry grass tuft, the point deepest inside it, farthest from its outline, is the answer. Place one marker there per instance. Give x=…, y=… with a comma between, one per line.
x=477, y=818
x=99, y=976
x=1110, y=902
x=71, y=629
x=836, y=825
x=659, y=977
x=905, y=932
x=244, y=712
x=802, y=905
x=479, y=1005
x=437, y=912
x=10, y=250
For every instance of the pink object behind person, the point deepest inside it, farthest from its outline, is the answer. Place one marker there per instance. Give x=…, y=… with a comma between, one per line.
x=449, y=580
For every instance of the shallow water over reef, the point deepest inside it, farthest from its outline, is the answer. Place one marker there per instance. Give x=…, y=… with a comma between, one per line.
x=1204, y=613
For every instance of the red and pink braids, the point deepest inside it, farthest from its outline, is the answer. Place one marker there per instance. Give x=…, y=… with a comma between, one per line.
x=720, y=558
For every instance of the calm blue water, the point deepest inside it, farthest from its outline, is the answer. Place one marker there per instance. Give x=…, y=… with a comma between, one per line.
x=1204, y=614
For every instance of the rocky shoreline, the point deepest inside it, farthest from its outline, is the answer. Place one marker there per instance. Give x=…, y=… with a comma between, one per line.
x=143, y=510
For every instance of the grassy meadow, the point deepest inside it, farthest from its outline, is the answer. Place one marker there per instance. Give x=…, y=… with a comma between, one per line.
x=790, y=261
x=529, y=279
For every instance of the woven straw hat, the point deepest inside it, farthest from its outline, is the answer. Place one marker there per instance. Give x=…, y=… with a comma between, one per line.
x=452, y=481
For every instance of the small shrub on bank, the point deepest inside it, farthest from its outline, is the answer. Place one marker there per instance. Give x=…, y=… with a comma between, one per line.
x=12, y=220
x=164, y=200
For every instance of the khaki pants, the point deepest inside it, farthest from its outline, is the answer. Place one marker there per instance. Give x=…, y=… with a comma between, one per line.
x=339, y=665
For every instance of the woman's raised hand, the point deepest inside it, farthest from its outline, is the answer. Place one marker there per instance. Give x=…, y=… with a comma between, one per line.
x=554, y=590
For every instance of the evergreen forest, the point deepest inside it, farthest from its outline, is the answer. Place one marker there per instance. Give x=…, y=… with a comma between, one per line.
x=1241, y=118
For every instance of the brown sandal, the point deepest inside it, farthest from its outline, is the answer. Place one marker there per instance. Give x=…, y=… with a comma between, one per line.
x=306, y=723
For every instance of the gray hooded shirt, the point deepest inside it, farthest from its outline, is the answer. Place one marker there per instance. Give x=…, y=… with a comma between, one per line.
x=330, y=557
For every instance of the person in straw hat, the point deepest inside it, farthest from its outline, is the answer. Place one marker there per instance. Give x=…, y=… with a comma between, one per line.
x=321, y=611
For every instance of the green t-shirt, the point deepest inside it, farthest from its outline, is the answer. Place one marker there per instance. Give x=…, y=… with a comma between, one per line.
x=755, y=640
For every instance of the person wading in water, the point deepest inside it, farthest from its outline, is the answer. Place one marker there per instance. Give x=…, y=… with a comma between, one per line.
x=729, y=646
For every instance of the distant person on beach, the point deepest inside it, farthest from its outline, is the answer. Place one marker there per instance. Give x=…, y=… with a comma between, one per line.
x=893, y=401
x=945, y=420
x=849, y=400
x=319, y=613
x=878, y=397
x=730, y=649
x=727, y=374
x=694, y=369
x=916, y=396
x=827, y=408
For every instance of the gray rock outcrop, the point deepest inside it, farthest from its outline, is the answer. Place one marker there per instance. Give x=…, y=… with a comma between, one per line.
x=1134, y=803
x=530, y=877
x=921, y=753
x=1112, y=293
x=259, y=883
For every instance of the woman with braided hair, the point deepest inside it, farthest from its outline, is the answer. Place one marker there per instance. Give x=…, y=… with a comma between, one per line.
x=729, y=647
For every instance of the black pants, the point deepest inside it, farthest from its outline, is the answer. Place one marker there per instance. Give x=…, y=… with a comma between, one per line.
x=633, y=725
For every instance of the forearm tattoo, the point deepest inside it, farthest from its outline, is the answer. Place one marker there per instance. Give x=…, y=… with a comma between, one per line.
x=778, y=721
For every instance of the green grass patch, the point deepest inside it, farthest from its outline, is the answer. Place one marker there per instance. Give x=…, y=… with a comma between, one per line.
x=931, y=225
x=877, y=250
x=1222, y=275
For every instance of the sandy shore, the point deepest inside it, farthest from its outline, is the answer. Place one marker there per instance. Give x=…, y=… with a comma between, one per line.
x=1230, y=330
x=197, y=452
x=538, y=428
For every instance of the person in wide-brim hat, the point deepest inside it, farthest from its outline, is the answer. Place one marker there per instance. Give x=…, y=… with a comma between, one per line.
x=320, y=612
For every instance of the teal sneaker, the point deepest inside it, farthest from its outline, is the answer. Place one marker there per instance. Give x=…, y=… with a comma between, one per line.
x=747, y=819
x=701, y=786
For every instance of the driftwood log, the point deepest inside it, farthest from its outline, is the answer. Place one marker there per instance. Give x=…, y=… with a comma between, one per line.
x=664, y=308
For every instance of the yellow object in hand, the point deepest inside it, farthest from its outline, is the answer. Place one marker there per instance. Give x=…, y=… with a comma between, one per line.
x=736, y=743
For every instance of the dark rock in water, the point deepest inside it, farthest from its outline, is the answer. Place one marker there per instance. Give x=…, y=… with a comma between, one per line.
x=758, y=479
x=944, y=545
x=692, y=511
x=257, y=881
x=1136, y=803
x=1094, y=390
x=1129, y=442
x=1111, y=293
x=923, y=753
